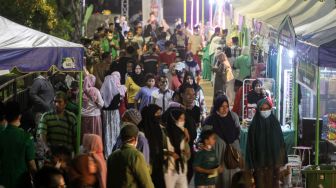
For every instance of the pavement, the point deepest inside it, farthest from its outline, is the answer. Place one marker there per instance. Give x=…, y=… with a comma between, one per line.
x=208, y=93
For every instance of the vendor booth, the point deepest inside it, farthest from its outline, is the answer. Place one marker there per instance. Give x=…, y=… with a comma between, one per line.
x=29, y=50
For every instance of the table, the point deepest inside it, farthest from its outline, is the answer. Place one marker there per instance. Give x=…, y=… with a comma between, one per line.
x=288, y=137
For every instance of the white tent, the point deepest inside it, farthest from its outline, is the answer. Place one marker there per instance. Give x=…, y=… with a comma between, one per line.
x=30, y=50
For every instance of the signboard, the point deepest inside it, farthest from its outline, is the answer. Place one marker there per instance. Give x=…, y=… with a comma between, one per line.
x=306, y=75
x=287, y=35
x=149, y=6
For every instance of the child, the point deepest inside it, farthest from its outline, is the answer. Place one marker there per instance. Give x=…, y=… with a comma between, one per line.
x=145, y=93
x=206, y=164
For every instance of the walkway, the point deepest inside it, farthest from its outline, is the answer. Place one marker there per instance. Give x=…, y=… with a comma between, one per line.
x=208, y=93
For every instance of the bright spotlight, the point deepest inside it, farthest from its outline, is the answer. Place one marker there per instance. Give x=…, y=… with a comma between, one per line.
x=291, y=53
x=211, y=2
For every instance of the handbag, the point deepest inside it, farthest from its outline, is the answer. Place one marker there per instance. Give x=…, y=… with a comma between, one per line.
x=233, y=158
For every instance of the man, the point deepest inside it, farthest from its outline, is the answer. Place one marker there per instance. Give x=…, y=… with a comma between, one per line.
x=164, y=95
x=17, y=153
x=196, y=44
x=100, y=69
x=193, y=114
x=150, y=60
x=168, y=56
x=138, y=38
x=180, y=40
x=127, y=167
x=162, y=39
x=235, y=50
x=42, y=94
x=129, y=41
x=58, y=127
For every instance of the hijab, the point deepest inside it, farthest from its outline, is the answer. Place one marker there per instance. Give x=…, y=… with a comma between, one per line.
x=108, y=90
x=93, y=145
x=90, y=92
x=116, y=79
x=139, y=79
x=191, y=63
x=79, y=172
x=175, y=135
x=194, y=85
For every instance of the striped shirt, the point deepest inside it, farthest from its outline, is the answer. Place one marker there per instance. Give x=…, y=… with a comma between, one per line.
x=59, y=129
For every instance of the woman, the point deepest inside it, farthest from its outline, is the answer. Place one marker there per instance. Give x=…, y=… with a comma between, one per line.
x=173, y=77
x=83, y=172
x=255, y=94
x=134, y=82
x=177, y=151
x=150, y=125
x=226, y=125
x=112, y=93
x=192, y=66
x=189, y=79
x=133, y=116
x=93, y=145
x=265, y=149
x=92, y=103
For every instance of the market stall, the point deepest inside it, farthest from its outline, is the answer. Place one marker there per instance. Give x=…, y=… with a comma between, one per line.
x=29, y=50
x=316, y=73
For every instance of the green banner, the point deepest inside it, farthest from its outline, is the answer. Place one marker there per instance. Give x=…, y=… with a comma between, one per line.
x=306, y=74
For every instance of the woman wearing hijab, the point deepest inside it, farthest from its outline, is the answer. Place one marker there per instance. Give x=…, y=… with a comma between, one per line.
x=192, y=66
x=133, y=116
x=134, y=84
x=92, y=103
x=112, y=92
x=265, y=149
x=189, y=79
x=225, y=124
x=93, y=145
x=150, y=125
x=177, y=151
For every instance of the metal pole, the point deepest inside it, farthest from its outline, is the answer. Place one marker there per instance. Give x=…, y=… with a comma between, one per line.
x=197, y=11
x=192, y=14
x=184, y=10
x=296, y=106
x=79, y=116
x=317, y=135
x=203, y=12
x=210, y=13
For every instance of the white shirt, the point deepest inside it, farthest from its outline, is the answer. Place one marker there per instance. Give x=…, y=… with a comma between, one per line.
x=162, y=99
x=171, y=161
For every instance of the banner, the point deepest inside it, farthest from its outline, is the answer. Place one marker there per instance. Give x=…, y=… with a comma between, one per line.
x=287, y=34
x=149, y=6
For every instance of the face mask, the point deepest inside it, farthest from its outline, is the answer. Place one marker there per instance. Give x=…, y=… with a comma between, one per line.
x=265, y=114
x=180, y=124
x=165, y=71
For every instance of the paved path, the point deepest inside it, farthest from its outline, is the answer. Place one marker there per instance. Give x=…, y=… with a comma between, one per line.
x=208, y=93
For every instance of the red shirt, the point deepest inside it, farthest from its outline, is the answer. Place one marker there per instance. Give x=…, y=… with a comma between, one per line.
x=168, y=59
x=237, y=106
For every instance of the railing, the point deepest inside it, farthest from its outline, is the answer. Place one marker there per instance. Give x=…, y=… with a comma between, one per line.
x=18, y=89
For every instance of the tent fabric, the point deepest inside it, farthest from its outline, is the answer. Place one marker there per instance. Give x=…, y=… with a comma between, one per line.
x=30, y=50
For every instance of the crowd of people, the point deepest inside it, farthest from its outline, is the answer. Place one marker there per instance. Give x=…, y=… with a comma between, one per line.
x=144, y=118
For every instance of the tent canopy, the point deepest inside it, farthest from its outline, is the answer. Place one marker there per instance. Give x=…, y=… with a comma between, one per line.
x=29, y=50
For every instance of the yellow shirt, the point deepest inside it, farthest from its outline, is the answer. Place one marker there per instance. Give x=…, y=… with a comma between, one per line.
x=132, y=89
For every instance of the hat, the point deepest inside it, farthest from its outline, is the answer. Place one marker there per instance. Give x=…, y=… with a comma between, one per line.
x=266, y=100
x=128, y=131
x=180, y=66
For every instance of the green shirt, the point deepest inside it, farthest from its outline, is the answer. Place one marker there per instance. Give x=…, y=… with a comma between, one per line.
x=16, y=150
x=127, y=168
x=206, y=160
x=243, y=63
x=59, y=129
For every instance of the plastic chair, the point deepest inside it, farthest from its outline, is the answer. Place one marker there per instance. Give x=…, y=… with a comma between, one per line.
x=302, y=150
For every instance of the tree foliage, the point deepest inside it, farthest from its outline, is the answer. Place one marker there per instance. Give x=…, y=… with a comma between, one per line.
x=61, y=18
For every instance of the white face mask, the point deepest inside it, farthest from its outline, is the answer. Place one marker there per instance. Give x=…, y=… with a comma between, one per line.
x=265, y=114
x=180, y=124
x=165, y=71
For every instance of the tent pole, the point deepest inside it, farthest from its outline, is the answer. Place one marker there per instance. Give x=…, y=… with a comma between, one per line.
x=184, y=10
x=296, y=107
x=79, y=116
x=317, y=135
x=203, y=13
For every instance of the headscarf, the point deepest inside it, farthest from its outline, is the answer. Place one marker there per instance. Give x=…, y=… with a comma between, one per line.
x=191, y=63
x=90, y=92
x=194, y=85
x=93, y=144
x=230, y=132
x=133, y=115
x=108, y=90
x=79, y=172
x=116, y=79
x=265, y=143
x=176, y=135
x=139, y=79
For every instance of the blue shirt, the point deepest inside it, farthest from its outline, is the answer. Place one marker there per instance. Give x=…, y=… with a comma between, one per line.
x=145, y=95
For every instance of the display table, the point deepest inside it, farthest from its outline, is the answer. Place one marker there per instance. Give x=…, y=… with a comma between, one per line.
x=288, y=136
